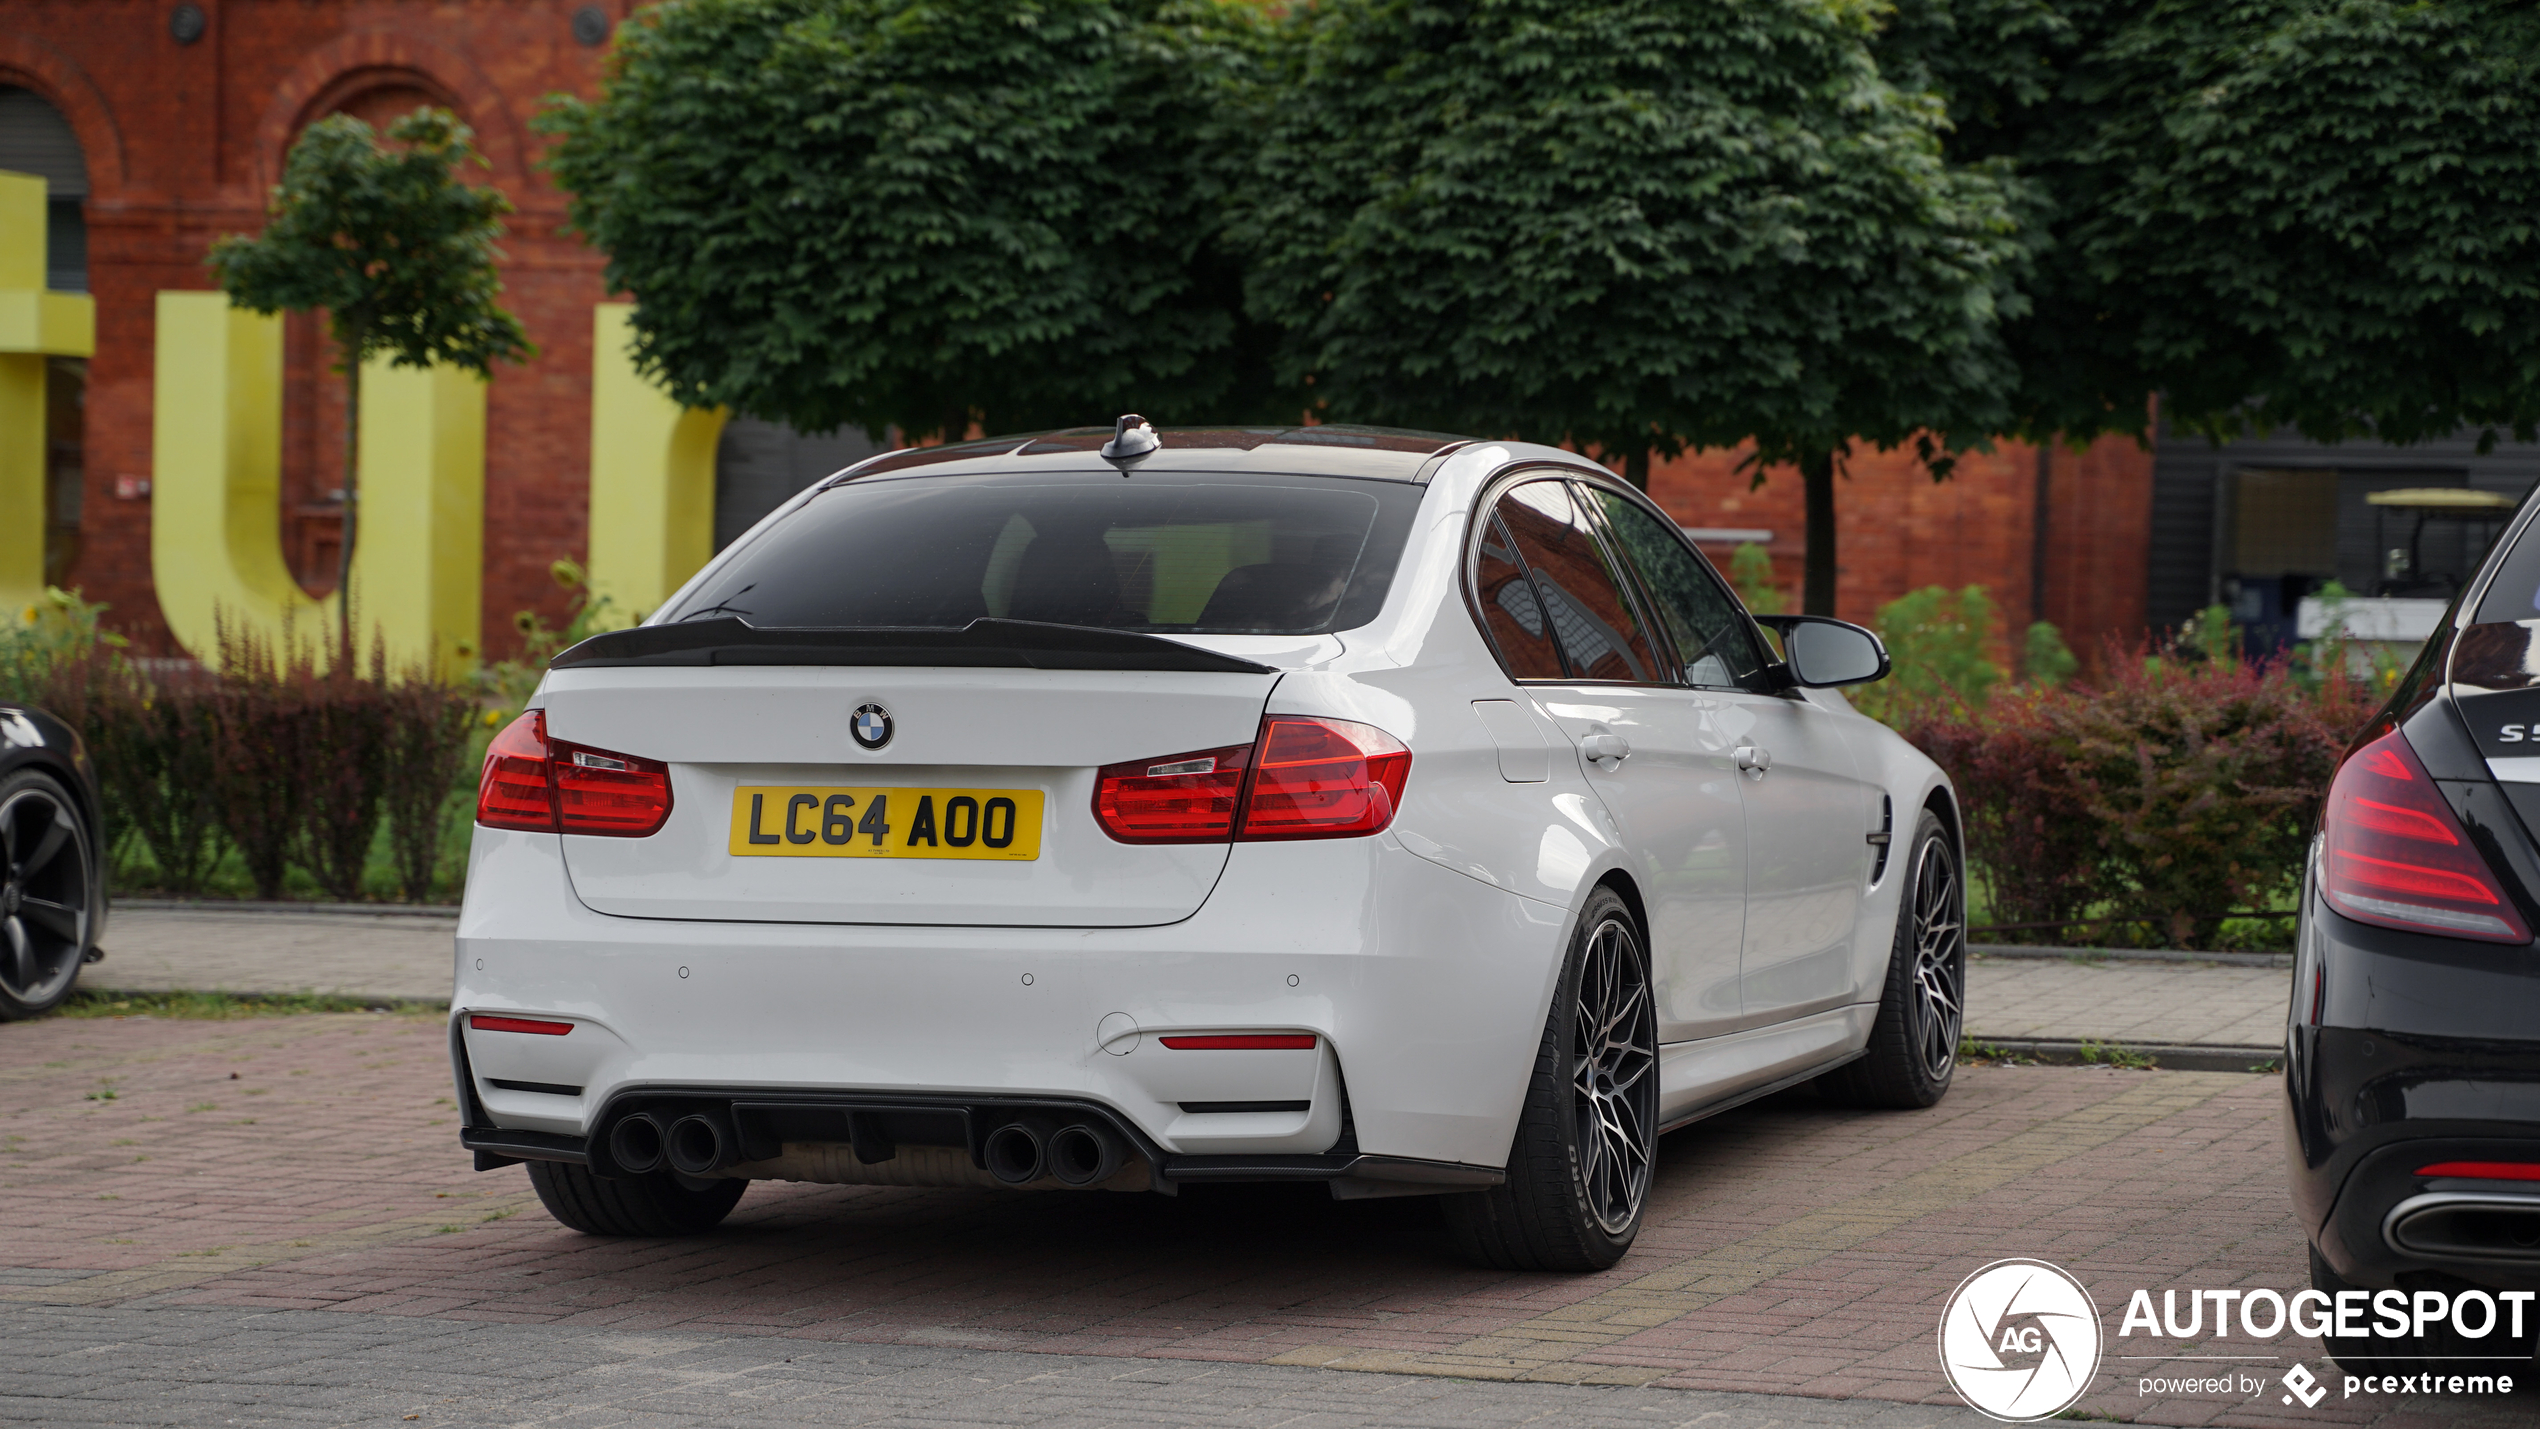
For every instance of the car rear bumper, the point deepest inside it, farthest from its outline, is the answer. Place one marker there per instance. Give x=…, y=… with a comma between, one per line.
x=1424, y=992
x=2407, y=1052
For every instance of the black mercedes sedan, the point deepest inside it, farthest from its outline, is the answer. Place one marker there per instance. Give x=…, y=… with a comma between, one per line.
x=2413, y=1042
x=52, y=867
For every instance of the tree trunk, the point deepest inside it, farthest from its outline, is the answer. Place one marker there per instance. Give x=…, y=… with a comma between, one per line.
x=1636, y=469
x=957, y=425
x=1816, y=475
x=352, y=357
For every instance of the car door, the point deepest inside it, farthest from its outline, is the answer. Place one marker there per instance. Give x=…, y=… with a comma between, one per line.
x=1556, y=603
x=1808, y=814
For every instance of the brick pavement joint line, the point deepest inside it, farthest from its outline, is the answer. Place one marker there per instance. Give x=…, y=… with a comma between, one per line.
x=1537, y=1348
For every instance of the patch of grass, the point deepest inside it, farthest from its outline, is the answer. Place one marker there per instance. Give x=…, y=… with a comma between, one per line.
x=2113, y=1054
x=2272, y=1064
x=204, y=1106
x=229, y=1006
x=1985, y=1054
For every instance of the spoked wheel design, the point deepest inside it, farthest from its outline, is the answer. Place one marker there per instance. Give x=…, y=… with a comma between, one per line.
x=47, y=894
x=1939, y=932
x=1613, y=1089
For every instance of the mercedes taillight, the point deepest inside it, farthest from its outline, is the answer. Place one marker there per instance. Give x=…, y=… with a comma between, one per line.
x=2398, y=858
x=1303, y=778
x=542, y=785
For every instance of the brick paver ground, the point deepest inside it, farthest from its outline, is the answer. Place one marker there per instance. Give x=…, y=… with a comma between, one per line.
x=2145, y=1003
x=307, y=1164
x=404, y=957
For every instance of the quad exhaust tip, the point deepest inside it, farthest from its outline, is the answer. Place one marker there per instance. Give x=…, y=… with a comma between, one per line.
x=635, y=1143
x=1017, y=1153
x=694, y=1145
x=1081, y=1154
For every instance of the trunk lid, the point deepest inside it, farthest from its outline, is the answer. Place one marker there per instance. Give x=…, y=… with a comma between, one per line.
x=759, y=754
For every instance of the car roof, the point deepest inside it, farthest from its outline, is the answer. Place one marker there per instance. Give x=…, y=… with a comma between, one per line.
x=1385, y=453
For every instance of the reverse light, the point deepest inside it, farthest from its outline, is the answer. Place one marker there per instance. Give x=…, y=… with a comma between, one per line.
x=2484, y=1170
x=542, y=785
x=2398, y=858
x=1242, y=1042
x=486, y=1022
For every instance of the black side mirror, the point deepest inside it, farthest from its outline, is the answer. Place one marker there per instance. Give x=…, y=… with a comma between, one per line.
x=1820, y=652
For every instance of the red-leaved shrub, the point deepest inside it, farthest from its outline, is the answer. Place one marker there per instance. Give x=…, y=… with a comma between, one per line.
x=2172, y=791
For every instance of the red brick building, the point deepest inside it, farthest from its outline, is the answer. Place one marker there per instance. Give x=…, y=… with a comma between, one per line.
x=181, y=115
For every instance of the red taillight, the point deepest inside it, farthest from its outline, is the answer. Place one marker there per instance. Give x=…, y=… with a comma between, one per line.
x=1324, y=778
x=2396, y=856
x=1312, y=779
x=484, y=1023
x=1178, y=799
x=512, y=792
x=1243, y=1042
x=541, y=785
x=2484, y=1170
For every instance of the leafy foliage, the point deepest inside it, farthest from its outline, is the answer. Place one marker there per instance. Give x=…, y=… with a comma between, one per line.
x=1631, y=224
x=913, y=213
x=398, y=253
x=387, y=241
x=2278, y=213
x=1751, y=571
x=1938, y=640
x=2171, y=793
x=2044, y=657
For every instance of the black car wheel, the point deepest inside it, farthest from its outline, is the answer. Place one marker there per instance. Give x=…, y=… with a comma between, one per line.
x=48, y=893
x=1913, y=1051
x=1579, y=1171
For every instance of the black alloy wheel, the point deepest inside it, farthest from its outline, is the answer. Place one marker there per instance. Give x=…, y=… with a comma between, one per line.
x=1913, y=1048
x=1580, y=1168
x=48, y=893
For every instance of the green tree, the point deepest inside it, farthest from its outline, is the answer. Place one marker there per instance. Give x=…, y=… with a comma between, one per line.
x=2276, y=213
x=399, y=254
x=918, y=214
x=1632, y=225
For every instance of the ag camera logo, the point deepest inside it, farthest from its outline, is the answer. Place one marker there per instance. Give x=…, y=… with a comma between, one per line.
x=2019, y=1340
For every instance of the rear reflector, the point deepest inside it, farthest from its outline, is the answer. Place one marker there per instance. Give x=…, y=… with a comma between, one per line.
x=1243, y=1042
x=2485, y=1170
x=483, y=1023
x=2398, y=858
x=541, y=785
x=1303, y=779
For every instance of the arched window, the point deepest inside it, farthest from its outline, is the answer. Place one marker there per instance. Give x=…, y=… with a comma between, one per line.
x=36, y=139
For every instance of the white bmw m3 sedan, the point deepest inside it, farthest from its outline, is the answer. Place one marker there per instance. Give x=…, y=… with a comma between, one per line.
x=1124, y=810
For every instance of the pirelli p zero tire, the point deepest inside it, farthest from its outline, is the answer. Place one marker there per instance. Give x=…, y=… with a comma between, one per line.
x=1580, y=1168
x=1913, y=1050
x=654, y=1205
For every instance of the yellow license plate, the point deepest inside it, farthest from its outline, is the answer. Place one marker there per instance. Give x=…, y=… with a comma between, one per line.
x=784, y=821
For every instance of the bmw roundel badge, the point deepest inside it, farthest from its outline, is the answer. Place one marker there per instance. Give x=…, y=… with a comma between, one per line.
x=871, y=726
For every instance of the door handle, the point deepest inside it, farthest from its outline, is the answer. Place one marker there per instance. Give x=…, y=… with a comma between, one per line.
x=1755, y=760
x=1598, y=748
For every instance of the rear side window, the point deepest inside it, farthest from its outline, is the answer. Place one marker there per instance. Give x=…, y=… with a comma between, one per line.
x=1582, y=599
x=1710, y=631
x=2515, y=593
x=1512, y=611
x=1259, y=555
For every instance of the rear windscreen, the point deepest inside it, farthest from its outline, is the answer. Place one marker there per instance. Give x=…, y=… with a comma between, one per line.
x=1267, y=555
